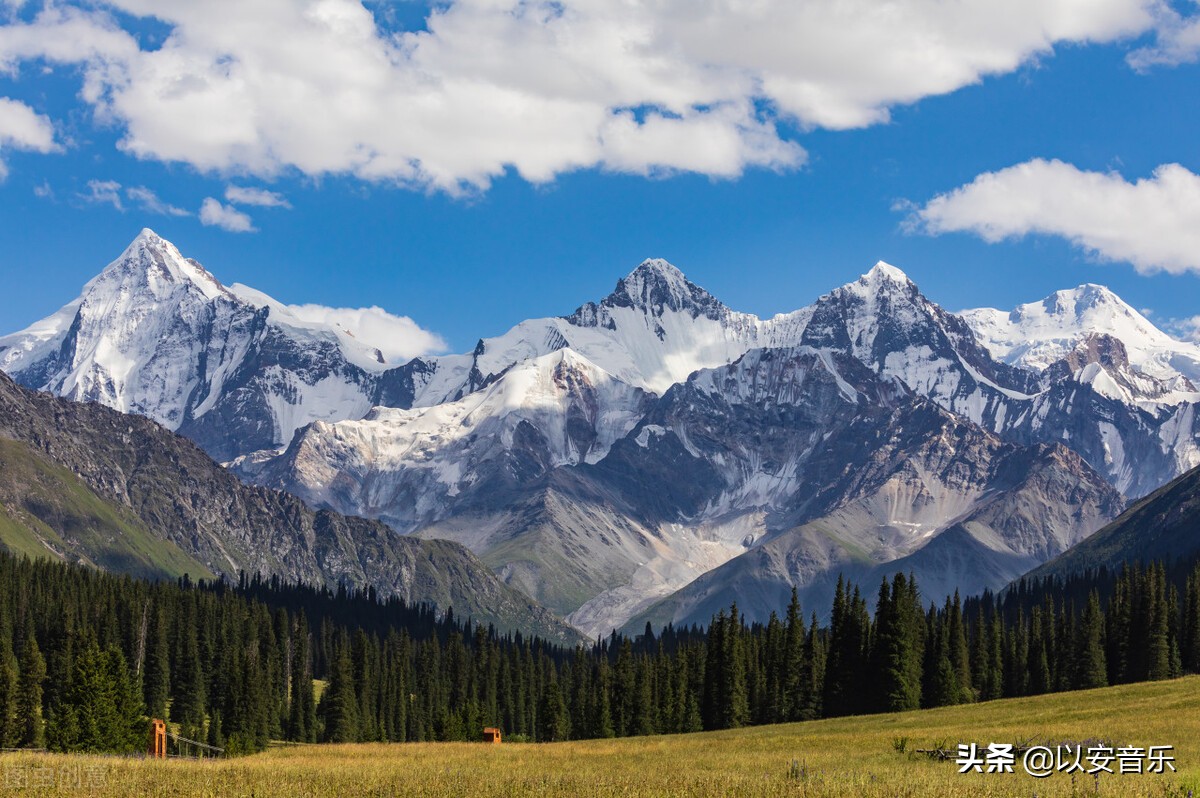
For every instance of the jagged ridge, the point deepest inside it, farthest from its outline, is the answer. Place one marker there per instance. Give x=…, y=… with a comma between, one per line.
x=168, y=488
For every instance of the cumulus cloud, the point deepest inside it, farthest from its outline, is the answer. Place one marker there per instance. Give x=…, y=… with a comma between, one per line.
x=226, y=217
x=1185, y=329
x=538, y=87
x=150, y=202
x=104, y=192
x=1150, y=223
x=398, y=338
x=1177, y=42
x=241, y=195
x=22, y=128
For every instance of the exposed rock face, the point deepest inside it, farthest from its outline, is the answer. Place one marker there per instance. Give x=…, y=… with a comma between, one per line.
x=848, y=473
x=1109, y=385
x=603, y=460
x=156, y=335
x=174, y=492
x=1164, y=527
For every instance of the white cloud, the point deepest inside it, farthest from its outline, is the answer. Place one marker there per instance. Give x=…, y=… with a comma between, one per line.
x=151, y=203
x=1151, y=223
x=398, y=338
x=43, y=191
x=104, y=192
x=260, y=197
x=22, y=128
x=1185, y=329
x=542, y=88
x=1177, y=42
x=226, y=217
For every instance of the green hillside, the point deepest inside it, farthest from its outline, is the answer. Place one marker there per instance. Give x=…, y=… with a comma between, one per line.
x=46, y=511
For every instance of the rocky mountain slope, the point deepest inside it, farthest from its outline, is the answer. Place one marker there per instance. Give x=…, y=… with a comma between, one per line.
x=142, y=499
x=834, y=470
x=1163, y=526
x=605, y=459
x=47, y=511
x=155, y=334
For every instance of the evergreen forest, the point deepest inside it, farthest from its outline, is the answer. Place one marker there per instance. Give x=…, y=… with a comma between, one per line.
x=87, y=657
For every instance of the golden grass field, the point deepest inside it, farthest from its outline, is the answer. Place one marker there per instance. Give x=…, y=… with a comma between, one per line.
x=847, y=756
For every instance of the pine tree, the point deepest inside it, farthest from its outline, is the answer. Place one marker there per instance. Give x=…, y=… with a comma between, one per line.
x=812, y=683
x=735, y=706
x=216, y=735
x=190, y=693
x=1118, y=623
x=9, y=693
x=957, y=649
x=553, y=715
x=941, y=678
x=1091, y=667
x=339, y=704
x=773, y=662
x=366, y=681
x=1038, y=662
x=1190, y=643
x=843, y=656
x=645, y=709
x=981, y=662
x=1064, y=665
x=31, y=731
x=1158, y=650
x=301, y=701
x=897, y=652
x=995, y=684
x=106, y=705
x=1174, y=632
x=62, y=723
x=603, y=723
x=157, y=669
x=129, y=732
x=858, y=651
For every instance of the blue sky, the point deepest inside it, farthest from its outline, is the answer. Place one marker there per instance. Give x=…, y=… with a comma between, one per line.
x=765, y=196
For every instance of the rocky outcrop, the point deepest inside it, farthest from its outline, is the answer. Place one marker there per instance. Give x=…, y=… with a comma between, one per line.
x=175, y=492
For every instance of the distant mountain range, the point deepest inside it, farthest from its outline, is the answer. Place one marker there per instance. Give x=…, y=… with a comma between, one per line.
x=83, y=483
x=656, y=454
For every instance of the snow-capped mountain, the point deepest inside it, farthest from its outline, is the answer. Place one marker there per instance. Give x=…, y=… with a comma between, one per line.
x=655, y=450
x=82, y=483
x=1039, y=334
x=827, y=467
x=1058, y=371
x=1110, y=385
x=651, y=332
x=414, y=467
x=157, y=335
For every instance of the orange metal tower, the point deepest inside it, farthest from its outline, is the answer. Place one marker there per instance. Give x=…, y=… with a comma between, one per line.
x=158, y=739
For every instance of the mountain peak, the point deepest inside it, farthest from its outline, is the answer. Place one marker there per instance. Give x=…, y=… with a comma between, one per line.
x=656, y=280
x=1082, y=298
x=886, y=272
x=883, y=278
x=1038, y=334
x=152, y=262
x=1093, y=307
x=654, y=288
x=658, y=266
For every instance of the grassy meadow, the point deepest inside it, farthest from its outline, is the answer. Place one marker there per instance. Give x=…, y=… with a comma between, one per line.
x=845, y=756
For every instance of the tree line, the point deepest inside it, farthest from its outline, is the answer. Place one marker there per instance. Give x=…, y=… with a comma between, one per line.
x=87, y=657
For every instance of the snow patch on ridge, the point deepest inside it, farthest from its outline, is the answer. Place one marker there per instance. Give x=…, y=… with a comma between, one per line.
x=1038, y=334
